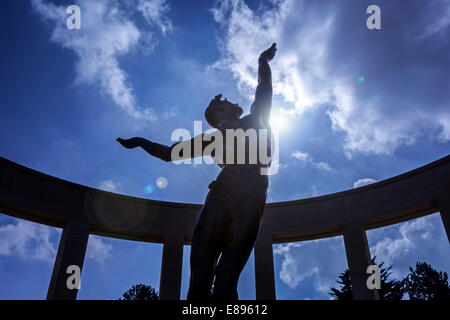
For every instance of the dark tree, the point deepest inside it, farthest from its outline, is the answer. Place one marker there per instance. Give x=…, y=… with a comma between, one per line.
x=345, y=291
x=425, y=283
x=390, y=290
x=140, y=292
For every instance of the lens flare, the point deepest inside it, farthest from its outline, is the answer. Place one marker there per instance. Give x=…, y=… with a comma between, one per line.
x=360, y=79
x=161, y=182
x=279, y=122
x=148, y=189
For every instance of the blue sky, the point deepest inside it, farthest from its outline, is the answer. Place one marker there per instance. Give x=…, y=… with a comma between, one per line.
x=148, y=67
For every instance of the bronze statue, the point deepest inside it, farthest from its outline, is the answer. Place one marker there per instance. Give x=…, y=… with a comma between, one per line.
x=229, y=221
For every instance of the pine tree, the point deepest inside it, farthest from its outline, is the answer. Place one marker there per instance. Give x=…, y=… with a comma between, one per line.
x=345, y=292
x=390, y=290
x=140, y=292
x=425, y=283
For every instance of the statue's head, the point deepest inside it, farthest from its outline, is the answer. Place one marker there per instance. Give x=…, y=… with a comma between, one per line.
x=219, y=111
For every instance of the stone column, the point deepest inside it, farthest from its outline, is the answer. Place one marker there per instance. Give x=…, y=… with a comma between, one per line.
x=171, y=268
x=444, y=209
x=264, y=271
x=358, y=258
x=71, y=251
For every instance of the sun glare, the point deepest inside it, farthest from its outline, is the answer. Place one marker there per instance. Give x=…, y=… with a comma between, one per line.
x=279, y=122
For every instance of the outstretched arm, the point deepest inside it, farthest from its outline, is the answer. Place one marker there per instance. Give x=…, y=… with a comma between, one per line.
x=164, y=152
x=155, y=149
x=263, y=94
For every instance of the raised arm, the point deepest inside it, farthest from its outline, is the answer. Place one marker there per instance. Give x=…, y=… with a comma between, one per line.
x=263, y=94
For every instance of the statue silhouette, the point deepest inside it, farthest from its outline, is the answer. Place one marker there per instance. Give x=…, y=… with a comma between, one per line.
x=229, y=221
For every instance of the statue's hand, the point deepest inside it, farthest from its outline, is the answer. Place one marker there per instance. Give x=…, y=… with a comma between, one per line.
x=269, y=53
x=128, y=143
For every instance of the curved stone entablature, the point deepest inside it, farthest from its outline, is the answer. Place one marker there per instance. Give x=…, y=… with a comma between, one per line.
x=81, y=211
x=38, y=197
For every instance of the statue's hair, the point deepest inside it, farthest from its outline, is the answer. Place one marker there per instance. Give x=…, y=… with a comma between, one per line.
x=211, y=114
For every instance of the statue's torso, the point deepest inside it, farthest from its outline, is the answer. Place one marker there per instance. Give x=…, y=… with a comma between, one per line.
x=238, y=181
x=255, y=151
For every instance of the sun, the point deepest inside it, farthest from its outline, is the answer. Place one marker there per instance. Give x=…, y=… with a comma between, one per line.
x=279, y=122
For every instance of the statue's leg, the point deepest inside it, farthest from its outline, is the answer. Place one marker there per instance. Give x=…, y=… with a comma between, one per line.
x=207, y=244
x=244, y=231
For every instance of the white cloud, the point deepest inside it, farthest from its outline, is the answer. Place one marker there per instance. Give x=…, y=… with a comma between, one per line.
x=302, y=156
x=423, y=239
x=106, y=33
x=306, y=158
x=440, y=24
x=290, y=273
x=322, y=166
x=319, y=57
x=390, y=249
x=369, y=127
x=155, y=12
x=98, y=249
x=363, y=182
x=110, y=185
x=30, y=241
x=240, y=56
x=321, y=259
